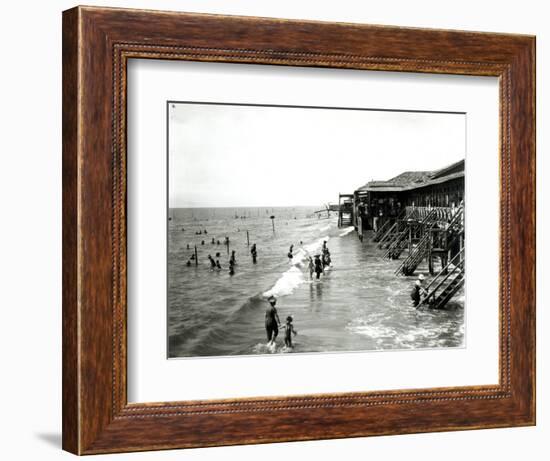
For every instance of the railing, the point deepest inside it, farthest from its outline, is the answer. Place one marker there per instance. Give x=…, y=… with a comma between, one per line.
x=458, y=266
x=455, y=226
x=396, y=246
x=380, y=232
x=388, y=235
x=412, y=261
x=397, y=235
x=457, y=216
x=440, y=214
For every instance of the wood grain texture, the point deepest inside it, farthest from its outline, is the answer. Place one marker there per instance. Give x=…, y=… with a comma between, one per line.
x=97, y=43
x=70, y=385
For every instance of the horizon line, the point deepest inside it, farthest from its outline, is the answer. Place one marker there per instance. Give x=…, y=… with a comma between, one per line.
x=250, y=206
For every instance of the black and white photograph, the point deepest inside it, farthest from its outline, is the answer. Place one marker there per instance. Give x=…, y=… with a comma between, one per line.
x=298, y=229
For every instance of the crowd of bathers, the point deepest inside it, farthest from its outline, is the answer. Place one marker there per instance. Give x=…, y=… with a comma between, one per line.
x=215, y=264
x=319, y=262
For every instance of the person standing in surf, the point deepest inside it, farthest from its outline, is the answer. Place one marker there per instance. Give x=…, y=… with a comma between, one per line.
x=311, y=267
x=318, y=266
x=254, y=253
x=326, y=255
x=272, y=321
x=232, y=262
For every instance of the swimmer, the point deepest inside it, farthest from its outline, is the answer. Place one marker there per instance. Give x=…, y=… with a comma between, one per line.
x=290, y=255
x=212, y=262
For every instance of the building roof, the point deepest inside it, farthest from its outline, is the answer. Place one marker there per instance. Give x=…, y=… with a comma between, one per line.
x=410, y=180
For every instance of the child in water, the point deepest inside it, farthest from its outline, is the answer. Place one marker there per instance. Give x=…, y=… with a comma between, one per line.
x=289, y=330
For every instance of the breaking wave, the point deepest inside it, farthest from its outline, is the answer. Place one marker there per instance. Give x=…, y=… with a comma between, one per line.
x=294, y=277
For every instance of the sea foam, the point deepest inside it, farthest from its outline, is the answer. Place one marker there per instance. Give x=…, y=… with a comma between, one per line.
x=294, y=277
x=347, y=231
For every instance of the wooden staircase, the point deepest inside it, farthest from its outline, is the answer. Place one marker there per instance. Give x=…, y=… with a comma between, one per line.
x=453, y=230
x=398, y=244
x=419, y=252
x=445, y=284
x=382, y=231
x=411, y=262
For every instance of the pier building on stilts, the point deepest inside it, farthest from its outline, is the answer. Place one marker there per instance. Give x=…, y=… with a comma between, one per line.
x=416, y=218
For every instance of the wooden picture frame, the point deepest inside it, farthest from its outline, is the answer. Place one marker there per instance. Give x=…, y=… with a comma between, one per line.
x=97, y=43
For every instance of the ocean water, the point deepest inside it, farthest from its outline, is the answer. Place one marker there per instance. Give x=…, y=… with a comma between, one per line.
x=358, y=305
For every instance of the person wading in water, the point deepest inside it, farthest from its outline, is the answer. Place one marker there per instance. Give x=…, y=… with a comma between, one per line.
x=311, y=267
x=418, y=291
x=289, y=254
x=212, y=262
x=289, y=331
x=318, y=266
x=272, y=321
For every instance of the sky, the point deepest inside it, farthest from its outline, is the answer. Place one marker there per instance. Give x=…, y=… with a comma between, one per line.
x=237, y=156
